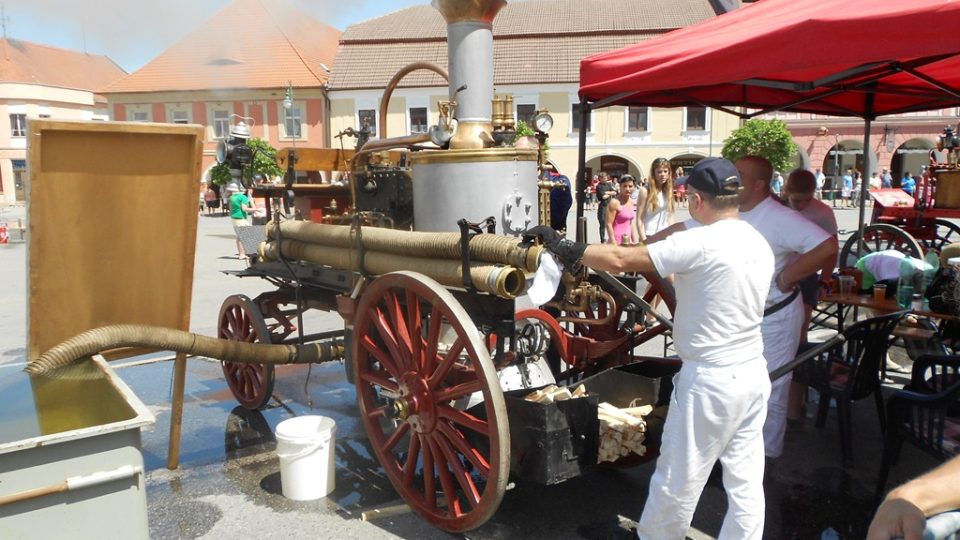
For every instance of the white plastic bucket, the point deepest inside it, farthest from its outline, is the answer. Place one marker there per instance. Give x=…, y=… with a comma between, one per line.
x=305, y=447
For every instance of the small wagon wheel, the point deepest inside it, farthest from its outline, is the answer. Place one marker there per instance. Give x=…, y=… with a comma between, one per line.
x=241, y=320
x=879, y=237
x=419, y=361
x=945, y=232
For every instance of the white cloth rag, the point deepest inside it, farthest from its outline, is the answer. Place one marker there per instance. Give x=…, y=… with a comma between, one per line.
x=545, y=281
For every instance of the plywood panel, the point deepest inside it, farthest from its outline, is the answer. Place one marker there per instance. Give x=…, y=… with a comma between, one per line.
x=112, y=226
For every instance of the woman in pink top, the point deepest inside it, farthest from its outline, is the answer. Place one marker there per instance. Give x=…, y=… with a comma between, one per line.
x=622, y=215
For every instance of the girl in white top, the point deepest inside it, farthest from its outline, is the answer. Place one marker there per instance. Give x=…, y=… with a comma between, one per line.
x=655, y=202
x=655, y=207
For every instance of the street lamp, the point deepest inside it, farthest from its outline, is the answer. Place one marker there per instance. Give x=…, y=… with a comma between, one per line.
x=889, y=137
x=836, y=163
x=288, y=99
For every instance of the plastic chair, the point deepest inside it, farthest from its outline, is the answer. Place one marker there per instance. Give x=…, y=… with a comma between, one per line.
x=926, y=413
x=850, y=372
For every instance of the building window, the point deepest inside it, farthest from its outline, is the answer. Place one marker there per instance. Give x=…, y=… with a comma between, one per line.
x=19, y=173
x=575, y=115
x=637, y=119
x=18, y=125
x=291, y=122
x=179, y=117
x=221, y=124
x=140, y=116
x=418, y=120
x=526, y=112
x=696, y=119
x=367, y=119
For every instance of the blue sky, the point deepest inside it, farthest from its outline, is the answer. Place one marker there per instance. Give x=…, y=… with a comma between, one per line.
x=132, y=32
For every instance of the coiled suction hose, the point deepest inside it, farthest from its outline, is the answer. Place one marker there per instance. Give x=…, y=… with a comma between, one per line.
x=154, y=337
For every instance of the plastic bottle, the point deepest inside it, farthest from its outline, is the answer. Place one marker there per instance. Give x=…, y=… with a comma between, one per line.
x=932, y=261
x=905, y=287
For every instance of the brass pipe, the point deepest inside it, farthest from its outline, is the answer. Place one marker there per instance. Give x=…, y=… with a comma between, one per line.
x=504, y=281
x=606, y=319
x=167, y=339
x=385, y=144
x=489, y=248
x=392, y=85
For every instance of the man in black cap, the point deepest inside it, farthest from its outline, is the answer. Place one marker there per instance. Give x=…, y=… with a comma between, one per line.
x=723, y=271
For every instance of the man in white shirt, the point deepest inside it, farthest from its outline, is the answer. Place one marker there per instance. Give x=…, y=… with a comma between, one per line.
x=723, y=270
x=821, y=180
x=800, y=248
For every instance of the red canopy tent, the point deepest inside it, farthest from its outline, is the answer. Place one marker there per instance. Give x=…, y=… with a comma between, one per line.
x=862, y=58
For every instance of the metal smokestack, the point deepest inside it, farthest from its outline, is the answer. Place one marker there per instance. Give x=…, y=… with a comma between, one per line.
x=470, y=64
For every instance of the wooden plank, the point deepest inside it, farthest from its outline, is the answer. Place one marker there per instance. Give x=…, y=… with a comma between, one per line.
x=323, y=159
x=316, y=159
x=113, y=225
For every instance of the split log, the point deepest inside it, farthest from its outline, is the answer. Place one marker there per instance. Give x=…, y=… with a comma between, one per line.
x=622, y=431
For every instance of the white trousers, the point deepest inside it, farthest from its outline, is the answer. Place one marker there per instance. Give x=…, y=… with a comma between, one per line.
x=715, y=413
x=781, y=338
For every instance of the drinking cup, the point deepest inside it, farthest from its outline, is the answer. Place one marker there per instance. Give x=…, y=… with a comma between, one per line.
x=879, y=292
x=846, y=284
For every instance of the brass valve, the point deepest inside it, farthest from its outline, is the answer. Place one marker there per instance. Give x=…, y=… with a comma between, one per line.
x=583, y=297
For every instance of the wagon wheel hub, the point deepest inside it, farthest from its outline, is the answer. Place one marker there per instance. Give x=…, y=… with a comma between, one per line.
x=416, y=404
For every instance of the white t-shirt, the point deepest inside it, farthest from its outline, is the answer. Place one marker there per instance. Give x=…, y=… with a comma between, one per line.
x=722, y=276
x=788, y=233
x=883, y=264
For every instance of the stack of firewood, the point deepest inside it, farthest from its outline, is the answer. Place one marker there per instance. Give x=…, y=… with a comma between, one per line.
x=551, y=393
x=622, y=431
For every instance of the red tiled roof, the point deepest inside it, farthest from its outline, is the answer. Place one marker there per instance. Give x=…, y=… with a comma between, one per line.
x=26, y=62
x=534, y=41
x=516, y=61
x=249, y=44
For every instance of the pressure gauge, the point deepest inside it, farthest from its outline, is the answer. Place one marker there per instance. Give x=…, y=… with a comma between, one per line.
x=543, y=121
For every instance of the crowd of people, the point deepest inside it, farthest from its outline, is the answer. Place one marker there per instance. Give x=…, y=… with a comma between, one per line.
x=845, y=191
x=629, y=209
x=748, y=266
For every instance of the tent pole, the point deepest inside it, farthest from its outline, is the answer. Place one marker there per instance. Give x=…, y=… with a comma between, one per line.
x=582, y=171
x=865, y=177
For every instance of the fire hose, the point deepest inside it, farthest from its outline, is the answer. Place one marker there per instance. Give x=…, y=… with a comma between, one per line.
x=490, y=248
x=498, y=264
x=154, y=337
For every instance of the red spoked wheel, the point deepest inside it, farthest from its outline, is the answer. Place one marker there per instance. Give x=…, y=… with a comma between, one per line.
x=942, y=233
x=241, y=320
x=879, y=237
x=419, y=362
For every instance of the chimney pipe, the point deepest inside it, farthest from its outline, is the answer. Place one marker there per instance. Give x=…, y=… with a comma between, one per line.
x=470, y=64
